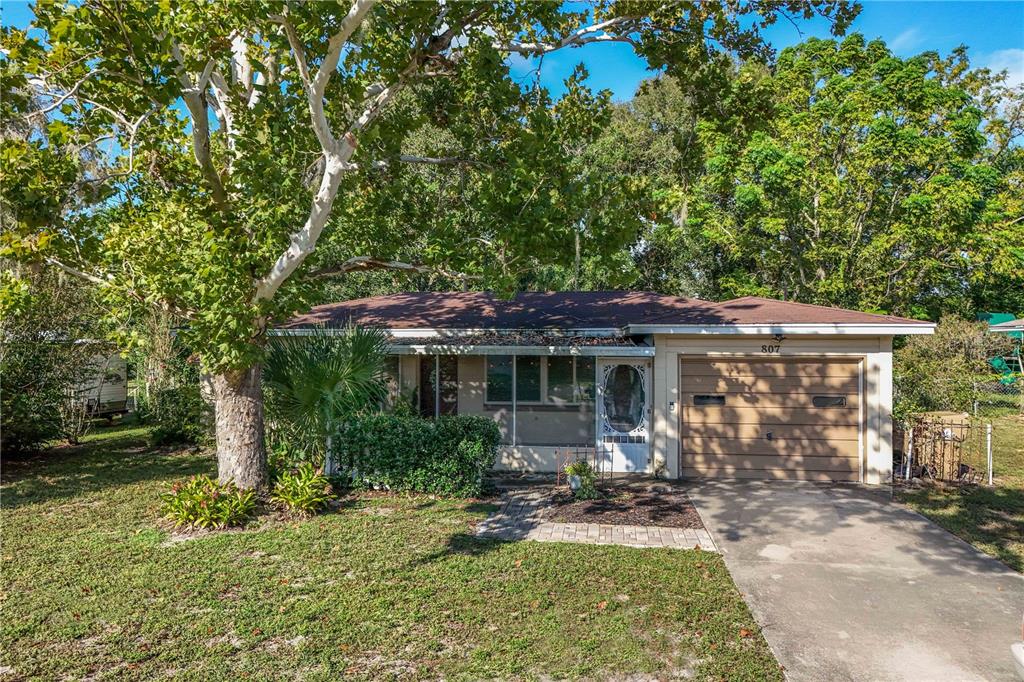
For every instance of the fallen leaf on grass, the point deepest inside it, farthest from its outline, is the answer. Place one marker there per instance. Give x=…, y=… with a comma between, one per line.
x=745, y=632
x=602, y=605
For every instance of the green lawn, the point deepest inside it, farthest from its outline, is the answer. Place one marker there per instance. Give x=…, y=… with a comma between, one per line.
x=990, y=518
x=387, y=587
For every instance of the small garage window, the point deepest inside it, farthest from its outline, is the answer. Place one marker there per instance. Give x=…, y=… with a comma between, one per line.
x=829, y=401
x=709, y=400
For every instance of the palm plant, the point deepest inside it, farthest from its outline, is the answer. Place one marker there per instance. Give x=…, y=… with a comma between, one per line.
x=311, y=382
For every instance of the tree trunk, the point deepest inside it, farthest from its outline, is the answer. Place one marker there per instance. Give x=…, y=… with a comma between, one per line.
x=241, y=455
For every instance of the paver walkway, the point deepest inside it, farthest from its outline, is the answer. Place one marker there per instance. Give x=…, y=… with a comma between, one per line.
x=520, y=518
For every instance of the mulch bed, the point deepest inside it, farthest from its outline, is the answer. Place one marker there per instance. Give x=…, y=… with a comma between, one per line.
x=626, y=508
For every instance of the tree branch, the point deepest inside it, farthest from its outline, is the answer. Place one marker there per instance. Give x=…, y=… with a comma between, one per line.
x=66, y=95
x=337, y=161
x=76, y=272
x=315, y=86
x=424, y=160
x=588, y=34
x=195, y=99
x=367, y=263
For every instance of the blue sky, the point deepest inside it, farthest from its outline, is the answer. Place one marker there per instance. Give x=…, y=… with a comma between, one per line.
x=994, y=32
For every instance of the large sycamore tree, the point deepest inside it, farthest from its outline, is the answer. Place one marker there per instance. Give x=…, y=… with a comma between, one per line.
x=216, y=159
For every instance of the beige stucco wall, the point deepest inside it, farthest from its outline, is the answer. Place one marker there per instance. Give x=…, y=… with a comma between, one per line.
x=874, y=352
x=537, y=458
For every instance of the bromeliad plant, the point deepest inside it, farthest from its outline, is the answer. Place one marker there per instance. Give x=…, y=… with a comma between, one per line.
x=204, y=503
x=303, y=490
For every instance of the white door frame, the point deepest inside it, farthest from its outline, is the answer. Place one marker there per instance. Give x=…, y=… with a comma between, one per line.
x=624, y=456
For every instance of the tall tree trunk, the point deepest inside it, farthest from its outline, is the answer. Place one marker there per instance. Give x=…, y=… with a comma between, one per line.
x=241, y=455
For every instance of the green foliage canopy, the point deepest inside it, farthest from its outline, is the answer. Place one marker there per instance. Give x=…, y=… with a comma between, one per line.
x=217, y=159
x=844, y=175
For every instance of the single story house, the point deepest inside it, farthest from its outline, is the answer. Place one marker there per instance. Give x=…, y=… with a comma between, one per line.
x=681, y=388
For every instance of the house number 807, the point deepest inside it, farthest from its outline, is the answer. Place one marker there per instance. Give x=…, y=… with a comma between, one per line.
x=770, y=348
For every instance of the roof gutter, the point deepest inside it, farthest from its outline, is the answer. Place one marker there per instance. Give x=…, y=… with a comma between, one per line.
x=432, y=332
x=456, y=349
x=851, y=329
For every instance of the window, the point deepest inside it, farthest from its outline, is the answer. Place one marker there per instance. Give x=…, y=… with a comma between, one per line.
x=561, y=386
x=439, y=385
x=528, y=379
x=556, y=380
x=499, y=379
x=585, y=372
x=709, y=400
x=829, y=401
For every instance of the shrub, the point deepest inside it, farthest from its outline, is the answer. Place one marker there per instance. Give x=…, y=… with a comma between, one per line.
x=177, y=415
x=582, y=468
x=943, y=371
x=303, y=490
x=203, y=503
x=446, y=456
x=282, y=457
x=48, y=344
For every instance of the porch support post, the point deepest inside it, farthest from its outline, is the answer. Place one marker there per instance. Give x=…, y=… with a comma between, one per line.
x=437, y=386
x=514, y=404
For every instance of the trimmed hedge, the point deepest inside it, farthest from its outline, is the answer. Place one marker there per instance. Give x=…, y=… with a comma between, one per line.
x=446, y=456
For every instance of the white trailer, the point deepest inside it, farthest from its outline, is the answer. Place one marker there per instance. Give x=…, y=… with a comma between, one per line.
x=105, y=391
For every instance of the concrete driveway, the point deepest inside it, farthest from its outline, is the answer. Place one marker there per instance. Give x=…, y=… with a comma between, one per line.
x=851, y=586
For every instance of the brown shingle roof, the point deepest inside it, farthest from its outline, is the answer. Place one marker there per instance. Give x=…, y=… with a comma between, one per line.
x=570, y=310
x=759, y=310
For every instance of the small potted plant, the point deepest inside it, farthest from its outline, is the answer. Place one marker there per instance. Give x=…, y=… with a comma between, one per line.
x=580, y=474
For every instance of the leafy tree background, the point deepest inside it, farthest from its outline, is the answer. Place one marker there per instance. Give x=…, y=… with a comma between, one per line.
x=842, y=175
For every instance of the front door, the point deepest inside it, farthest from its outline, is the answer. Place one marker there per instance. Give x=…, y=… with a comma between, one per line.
x=624, y=413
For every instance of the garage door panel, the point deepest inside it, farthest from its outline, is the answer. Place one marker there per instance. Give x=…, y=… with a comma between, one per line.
x=770, y=474
x=776, y=446
x=771, y=416
x=771, y=368
x=771, y=390
x=763, y=462
x=780, y=399
x=763, y=384
x=783, y=431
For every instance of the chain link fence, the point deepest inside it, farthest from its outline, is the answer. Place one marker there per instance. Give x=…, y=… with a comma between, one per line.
x=964, y=445
x=998, y=399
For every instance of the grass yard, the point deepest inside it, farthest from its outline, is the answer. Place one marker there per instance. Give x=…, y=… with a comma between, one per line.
x=990, y=518
x=387, y=587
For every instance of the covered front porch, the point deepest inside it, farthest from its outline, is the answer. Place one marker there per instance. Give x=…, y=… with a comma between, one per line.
x=555, y=398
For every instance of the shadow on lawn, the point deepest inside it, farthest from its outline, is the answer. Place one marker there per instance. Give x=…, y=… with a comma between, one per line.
x=992, y=517
x=462, y=544
x=70, y=472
